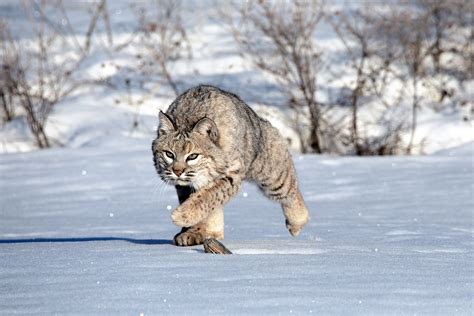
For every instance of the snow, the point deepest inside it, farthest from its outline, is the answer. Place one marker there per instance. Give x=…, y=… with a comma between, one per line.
x=88, y=231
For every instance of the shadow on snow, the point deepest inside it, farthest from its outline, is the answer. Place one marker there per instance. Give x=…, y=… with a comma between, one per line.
x=87, y=239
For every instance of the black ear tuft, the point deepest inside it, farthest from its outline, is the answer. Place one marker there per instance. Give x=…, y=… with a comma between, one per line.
x=207, y=127
x=166, y=124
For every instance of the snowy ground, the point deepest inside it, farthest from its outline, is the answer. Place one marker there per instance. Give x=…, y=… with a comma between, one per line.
x=87, y=231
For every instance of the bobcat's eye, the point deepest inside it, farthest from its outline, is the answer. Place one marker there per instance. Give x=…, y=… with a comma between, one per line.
x=192, y=157
x=169, y=154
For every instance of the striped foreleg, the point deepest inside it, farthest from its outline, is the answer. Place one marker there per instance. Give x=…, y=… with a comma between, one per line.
x=202, y=203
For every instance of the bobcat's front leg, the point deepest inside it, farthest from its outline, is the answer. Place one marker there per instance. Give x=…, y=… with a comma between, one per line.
x=212, y=227
x=201, y=204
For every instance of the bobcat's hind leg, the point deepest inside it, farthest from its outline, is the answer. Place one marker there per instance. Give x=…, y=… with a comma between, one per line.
x=296, y=213
x=276, y=176
x=285, y=191
x=213, y=226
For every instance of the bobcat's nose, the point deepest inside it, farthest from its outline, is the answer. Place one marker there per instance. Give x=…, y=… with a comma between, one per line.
x=178, y=172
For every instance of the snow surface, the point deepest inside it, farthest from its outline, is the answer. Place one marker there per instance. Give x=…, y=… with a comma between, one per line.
x=87, y=231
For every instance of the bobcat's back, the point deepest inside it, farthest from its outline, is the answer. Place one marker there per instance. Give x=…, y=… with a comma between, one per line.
x=241, y=130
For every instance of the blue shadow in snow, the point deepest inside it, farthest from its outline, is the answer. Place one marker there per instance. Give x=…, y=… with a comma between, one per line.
x=87, y=239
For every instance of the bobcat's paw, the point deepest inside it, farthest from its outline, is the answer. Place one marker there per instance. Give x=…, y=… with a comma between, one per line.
x=294, y=229
x=183, y=216
x=188, y=238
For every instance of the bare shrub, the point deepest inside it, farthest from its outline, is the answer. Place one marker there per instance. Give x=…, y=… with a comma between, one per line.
x=36, y=73
x=412, y=45
x=161, y=40
x=8, y=65
x=432, y=41
x=450, y=35
x=371, y=66
x=409, y=32
x=278, y=37
x=158, y=41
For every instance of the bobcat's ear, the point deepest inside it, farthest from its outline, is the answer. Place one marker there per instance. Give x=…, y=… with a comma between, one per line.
x=166, y=124
x=207, y=127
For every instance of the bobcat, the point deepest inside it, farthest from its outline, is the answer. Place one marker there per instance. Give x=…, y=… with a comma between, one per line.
x=208, y=142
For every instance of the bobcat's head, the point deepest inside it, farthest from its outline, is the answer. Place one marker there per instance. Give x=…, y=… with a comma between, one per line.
x=188, y=155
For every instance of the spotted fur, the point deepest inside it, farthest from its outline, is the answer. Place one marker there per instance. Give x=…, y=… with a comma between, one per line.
x=208, y=142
